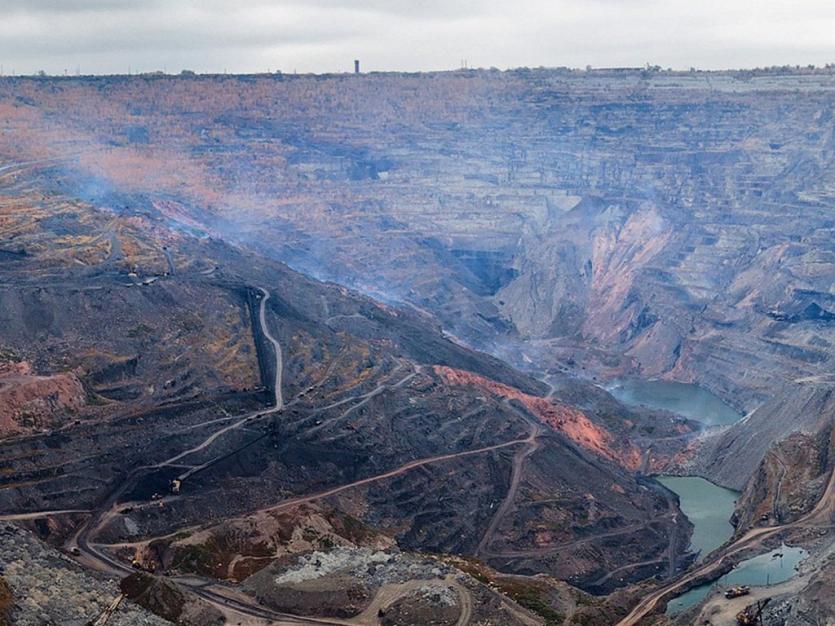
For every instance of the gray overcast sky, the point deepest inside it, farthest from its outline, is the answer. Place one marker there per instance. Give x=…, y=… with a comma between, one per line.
x=108, y=36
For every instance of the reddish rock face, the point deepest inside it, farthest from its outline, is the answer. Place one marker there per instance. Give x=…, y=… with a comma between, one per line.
x=6, y=601
x=29, y=402
x=571, y=422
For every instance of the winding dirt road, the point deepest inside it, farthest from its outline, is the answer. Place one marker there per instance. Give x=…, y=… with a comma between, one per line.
x=94, y=558
x=821, y=514
x=390, y=474
x=279, y=361
x=561, y=547
x=278, y=399
x=95, y=555
x=390, y=593
x=532, y=445
x=365, y=399
x=12, y=517
x=777, y=491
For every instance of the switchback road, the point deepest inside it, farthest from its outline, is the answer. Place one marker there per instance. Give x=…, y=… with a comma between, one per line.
x=820, y=514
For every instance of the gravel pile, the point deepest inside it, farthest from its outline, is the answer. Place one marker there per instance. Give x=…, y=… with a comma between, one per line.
x=49, y=589
x=373, y=567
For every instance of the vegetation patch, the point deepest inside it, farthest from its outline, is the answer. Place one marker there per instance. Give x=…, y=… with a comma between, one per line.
x=470, y=566
x=530, y=597
x=195, y=559
x=140, y=330
x=353, y=529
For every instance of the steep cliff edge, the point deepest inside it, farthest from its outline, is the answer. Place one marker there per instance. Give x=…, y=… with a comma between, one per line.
x=169, y=601
x=729, y=457
x=788, y=482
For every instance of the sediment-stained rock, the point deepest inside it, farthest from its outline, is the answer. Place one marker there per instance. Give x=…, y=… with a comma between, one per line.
x=29, y=402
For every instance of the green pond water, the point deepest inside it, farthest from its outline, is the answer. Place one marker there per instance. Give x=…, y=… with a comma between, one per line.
x=707, y=506
x=766, y=569
x=685, y=399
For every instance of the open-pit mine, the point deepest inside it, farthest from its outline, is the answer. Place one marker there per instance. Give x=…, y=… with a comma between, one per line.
x=527, y=347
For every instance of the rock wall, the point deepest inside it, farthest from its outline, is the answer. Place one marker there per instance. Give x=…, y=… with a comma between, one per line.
x=788, y=482
x=29, y=403
x=732, y=455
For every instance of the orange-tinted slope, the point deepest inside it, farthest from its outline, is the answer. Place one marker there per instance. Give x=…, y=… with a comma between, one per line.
x=571, y=422
x=29, y=402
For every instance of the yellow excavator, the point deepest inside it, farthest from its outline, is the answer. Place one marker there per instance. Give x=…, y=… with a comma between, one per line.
x=737, y=592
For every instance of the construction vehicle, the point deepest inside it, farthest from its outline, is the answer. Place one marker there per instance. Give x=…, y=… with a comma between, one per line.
x=752, y=615
x=137, y=564
x=737, y=592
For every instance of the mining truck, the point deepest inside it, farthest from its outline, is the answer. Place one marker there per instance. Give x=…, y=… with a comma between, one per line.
x=737, y=592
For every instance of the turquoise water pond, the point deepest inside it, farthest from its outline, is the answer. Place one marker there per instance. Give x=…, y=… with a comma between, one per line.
x=707, y=506
x=685, y=399
x=766, y=569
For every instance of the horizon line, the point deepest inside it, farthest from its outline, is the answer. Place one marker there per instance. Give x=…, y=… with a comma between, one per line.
x=649, y=69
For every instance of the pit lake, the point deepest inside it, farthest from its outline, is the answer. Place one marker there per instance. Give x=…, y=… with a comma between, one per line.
x=766, y=569
x=707, y=506
x=687, y=399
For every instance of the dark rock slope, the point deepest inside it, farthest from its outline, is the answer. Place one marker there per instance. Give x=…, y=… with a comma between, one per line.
x=443, y=448
x=605, y=222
